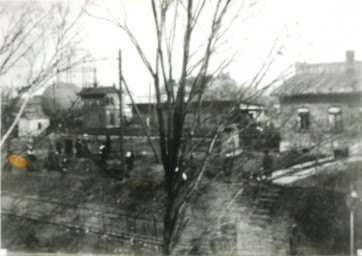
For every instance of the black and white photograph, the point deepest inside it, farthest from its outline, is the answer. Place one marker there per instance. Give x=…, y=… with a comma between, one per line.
x=181, y=127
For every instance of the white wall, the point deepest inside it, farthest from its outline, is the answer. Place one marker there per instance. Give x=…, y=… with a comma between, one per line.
x=30, y=127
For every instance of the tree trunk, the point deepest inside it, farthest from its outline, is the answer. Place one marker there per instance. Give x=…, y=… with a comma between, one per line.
x=166, y=234
x=167, y=225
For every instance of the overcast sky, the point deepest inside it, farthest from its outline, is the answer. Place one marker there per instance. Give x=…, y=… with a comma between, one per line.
x=314, y=31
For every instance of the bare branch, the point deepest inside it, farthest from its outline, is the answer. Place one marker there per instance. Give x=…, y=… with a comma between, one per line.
x=43, y=51
x=130, y=35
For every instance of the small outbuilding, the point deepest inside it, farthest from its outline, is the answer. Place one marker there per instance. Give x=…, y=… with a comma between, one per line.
x=33, y=121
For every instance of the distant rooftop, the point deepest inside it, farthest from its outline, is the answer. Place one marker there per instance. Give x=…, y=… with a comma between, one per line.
x=97, y=91
x=320, y=84
x=324, y=78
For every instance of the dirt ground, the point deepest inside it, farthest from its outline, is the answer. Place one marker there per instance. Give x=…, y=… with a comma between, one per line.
x=37, y=237
x=133, y=197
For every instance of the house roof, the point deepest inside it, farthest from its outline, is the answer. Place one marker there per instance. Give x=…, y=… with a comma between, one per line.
x=97, y=91
x=320, y=83
x=33, y=109
x=35, y=100
x=33, y=115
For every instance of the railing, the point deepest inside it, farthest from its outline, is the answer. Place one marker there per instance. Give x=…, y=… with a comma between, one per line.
x=109, y=221
x=136, y=131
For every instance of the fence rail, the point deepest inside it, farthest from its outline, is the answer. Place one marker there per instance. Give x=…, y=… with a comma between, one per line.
x=138, y=131
x=94, y=219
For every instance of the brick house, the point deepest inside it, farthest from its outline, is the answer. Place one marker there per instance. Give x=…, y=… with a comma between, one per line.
x=100, y=107
x=320, y=106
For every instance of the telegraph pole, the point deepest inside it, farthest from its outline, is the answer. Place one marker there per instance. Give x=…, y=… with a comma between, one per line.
x=351, y=236
x=352, y=200
x=149, y=105
x=121, y=123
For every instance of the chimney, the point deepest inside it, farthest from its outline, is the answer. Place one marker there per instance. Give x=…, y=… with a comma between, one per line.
x=349, y=61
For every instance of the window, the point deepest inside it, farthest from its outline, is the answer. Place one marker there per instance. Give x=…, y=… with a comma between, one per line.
x=303, y=118
x=109, y=101
x=39, y=126
x=100, y=117
x=335, y=119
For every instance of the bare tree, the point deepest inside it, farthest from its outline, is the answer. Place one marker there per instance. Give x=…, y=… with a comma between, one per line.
x=177, y=21
x=37, y=42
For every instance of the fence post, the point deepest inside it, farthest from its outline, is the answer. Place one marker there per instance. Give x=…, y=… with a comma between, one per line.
x=103, y=224
x=102, y=209
x=154, y=226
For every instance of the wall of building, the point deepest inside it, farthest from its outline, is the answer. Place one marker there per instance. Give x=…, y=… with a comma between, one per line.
x=206, y=118
x=103, y=112
x=94, y=117
x=320, y=133
x=30, y=127
x=112, y=117
x=112, y=110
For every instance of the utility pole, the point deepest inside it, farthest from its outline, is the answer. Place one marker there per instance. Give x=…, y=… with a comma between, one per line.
x=54, y=103
x=141, y=121
x=53, y=97
x=351, y=201
x=121, y=123
x=149, y=105
x=53, y=91
x=351, y=249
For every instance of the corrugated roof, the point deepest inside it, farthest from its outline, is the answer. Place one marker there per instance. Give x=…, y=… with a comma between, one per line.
x=320, y=83
x=96, y=91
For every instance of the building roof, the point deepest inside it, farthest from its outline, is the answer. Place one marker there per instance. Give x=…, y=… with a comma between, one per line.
x=35, y=100
x=324, y=78
x=320, y=83
x=34, y=110
x=32, y=115
x=97, y=91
